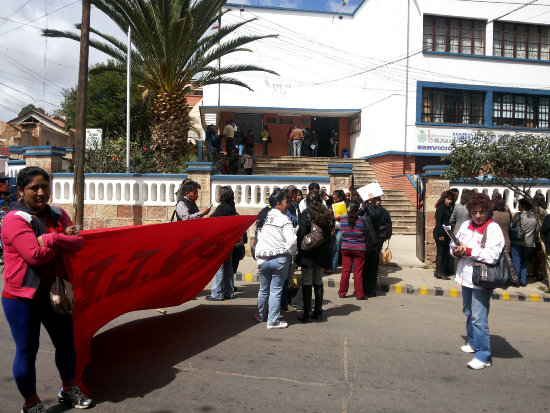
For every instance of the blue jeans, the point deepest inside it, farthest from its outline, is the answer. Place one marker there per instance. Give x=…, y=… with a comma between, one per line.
x=24, y=318
x=336, y=246
x=272, y=274
x=296, y=146
x=519, y=258
x=476, y=305
x=222, y=286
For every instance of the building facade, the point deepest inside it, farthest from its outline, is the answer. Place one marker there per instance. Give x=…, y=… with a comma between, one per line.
x=399, y=80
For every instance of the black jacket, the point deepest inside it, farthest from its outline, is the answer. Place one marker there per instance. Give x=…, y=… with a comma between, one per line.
x=545, y=232
x=321, y=254
x=442, y=217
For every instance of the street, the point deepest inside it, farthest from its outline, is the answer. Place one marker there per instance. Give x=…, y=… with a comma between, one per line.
x=392, y=353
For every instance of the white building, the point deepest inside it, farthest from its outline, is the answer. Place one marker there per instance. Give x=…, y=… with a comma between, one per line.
x=399, y=79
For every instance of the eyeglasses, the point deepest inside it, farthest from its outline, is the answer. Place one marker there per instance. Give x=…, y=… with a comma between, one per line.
x=474, y=213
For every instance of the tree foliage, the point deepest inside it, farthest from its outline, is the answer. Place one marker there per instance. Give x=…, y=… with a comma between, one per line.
x=107, y=106
x=30, y=107
x=174, y=51
x=517, y=162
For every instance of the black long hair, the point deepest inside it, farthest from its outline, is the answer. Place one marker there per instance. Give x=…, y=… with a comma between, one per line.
x=27, y=174
x=353, y=212
x=317, y=211
x=274, y=199
x=227, y=196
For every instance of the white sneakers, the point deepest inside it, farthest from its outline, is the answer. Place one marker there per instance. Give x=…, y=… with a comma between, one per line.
x=467, y=348
x=279, y=324
x=476, y=364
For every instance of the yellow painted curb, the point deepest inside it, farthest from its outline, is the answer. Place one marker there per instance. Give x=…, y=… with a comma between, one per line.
x=535, y=297
x=453, y=292
x=398, y=288
x=423, y=290
x=505, y=296
x=248, y=277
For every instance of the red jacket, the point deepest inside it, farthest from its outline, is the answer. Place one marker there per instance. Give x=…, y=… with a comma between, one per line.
x=26, y=263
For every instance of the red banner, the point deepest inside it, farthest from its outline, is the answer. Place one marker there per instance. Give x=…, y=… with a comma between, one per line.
x=136, y=268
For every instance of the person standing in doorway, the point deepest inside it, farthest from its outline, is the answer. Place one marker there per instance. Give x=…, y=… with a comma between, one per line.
x=297, y=137
x=314, y=143
x=229, y=135
x=266, y=138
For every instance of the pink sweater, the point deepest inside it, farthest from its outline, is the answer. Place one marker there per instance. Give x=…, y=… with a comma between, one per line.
x=21, y=250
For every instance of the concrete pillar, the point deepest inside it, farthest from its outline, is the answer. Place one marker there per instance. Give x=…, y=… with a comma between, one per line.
x=435, y=185
x=340, y=176
x=201, y=172
x=49, y=158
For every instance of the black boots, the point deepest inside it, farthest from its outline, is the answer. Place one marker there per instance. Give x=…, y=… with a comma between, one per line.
x=306, y=296
x=439, y=273
x=318, y=311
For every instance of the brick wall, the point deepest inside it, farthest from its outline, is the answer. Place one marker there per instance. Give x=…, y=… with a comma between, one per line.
x=388, y=166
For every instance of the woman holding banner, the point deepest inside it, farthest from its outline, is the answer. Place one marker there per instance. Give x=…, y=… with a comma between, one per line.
x=34, y=234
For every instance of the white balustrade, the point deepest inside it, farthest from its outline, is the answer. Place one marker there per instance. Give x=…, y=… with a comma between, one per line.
x=253, y=191
x=119, y=189
x=510, y=198
x=13, y=170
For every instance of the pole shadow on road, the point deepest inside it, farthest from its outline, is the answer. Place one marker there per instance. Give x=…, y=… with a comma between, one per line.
x=139, y=357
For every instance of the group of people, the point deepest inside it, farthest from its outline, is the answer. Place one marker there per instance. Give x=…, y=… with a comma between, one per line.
x=485, y=229
x=283, y=230
x=523, y=251
x=305, y=142
x=235, y=140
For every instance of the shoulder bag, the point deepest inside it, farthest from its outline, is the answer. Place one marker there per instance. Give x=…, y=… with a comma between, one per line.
x=498, y=275
x=516, y=232
x=61, y=296
x=385, y=255
x=314, y=239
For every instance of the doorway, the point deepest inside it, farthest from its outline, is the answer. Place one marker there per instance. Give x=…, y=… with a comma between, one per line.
x=247, y=121
x=324, y=127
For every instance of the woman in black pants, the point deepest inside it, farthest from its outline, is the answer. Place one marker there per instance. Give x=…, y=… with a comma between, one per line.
x=443, y=210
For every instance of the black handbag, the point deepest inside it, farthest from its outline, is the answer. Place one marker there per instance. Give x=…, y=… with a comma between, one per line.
x=497, y=275
x=516, y=232
x=313, y=239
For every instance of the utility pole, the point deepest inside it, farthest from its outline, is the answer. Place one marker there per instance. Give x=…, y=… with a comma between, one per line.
x=82, y=93
x=128, y=84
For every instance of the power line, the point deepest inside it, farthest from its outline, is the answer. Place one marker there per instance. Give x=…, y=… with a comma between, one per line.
x=510, y=12
x=38, y=18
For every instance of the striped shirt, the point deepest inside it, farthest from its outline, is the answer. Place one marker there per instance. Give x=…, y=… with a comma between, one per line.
x=353, y=238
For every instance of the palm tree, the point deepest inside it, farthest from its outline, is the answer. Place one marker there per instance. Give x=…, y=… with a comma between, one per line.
x=173, y=53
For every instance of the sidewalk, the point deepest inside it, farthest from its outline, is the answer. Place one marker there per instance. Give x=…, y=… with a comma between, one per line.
x=406, y=274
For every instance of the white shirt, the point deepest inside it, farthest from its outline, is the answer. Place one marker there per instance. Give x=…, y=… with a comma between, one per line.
x=490, y=254
x=276, y=237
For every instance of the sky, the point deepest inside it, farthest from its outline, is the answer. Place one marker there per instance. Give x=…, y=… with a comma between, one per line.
x=327, y=6
x=34, y=69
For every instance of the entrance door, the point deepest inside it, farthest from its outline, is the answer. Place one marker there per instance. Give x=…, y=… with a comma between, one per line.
x=324, y=127
x=247, y=121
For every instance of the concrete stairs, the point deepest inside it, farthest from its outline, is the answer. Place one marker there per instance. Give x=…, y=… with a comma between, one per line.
x=394, y=200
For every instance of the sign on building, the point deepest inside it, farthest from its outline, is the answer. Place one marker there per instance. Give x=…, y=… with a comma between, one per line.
x=93, y=138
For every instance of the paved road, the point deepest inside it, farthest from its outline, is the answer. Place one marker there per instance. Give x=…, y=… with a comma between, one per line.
x=393, y=353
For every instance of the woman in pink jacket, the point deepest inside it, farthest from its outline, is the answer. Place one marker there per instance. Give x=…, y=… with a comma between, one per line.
x=34, y=234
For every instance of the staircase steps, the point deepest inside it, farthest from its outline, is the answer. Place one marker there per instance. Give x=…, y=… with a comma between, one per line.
x=395, y=201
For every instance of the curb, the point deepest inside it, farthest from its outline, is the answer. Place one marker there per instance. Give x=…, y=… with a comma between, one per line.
x=422, y=290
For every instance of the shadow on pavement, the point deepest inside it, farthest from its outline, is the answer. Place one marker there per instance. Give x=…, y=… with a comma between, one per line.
x=139, y=357
x=501, y=349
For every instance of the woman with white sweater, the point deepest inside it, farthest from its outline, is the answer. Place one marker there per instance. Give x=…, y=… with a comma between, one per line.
x=276, y=244
x=476, y=300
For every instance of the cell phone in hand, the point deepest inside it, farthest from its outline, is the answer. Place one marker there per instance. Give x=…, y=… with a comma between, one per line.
x=452, y=236
x=210, y=206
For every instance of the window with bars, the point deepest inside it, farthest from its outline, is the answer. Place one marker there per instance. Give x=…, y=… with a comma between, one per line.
x=453, y=106
x=521, y=41
x=452, y=35
x=524, y=111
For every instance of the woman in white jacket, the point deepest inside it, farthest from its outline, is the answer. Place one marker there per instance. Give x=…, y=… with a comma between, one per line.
x=276, y=244
x=476, y=300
